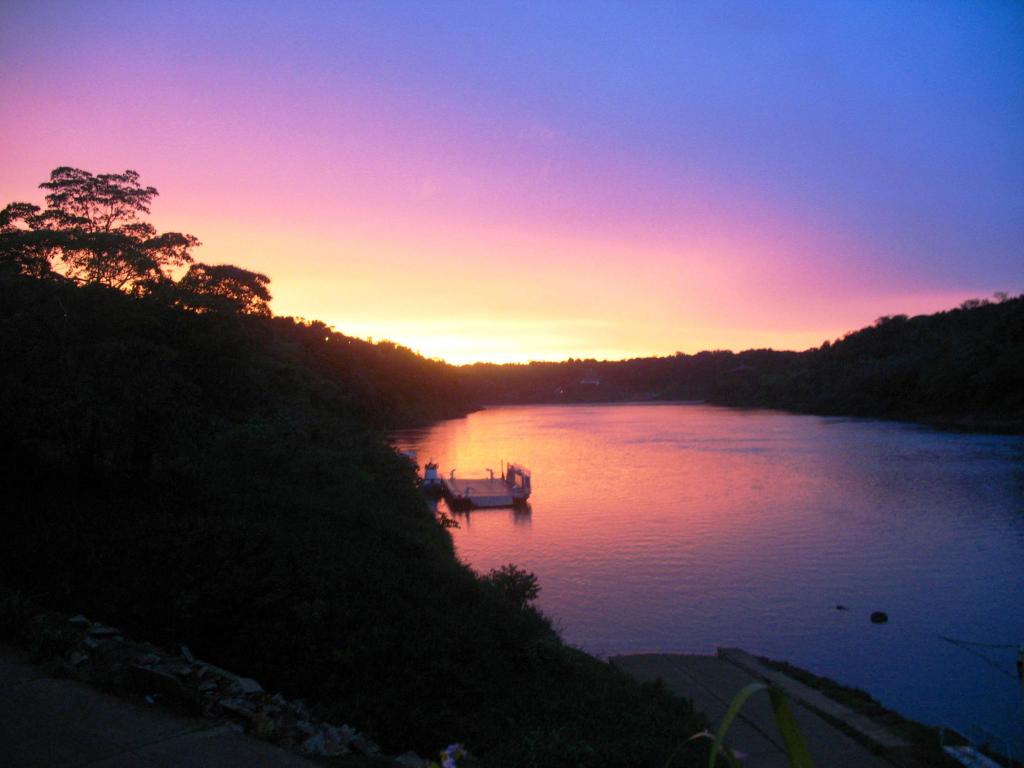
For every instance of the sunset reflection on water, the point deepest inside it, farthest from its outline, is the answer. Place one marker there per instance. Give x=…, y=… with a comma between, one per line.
x=680, y=528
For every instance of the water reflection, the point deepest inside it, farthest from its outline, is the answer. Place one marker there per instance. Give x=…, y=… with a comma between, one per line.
x=520, y=516
x=682, y=528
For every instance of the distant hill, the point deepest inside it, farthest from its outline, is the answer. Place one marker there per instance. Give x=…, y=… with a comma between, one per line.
x=962, y=368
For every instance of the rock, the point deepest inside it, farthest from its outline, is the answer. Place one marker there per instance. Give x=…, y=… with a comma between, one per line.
x=879, y=617
x=173, y=667
x=123, y=665
x=322, y=744
x=154, y=680
x=231, y=681
x=248, y=685
x=239, y=707
x=204, y=668
x=265, y=727
x=342, y=733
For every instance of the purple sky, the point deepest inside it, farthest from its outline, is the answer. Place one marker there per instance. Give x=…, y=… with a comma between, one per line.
x=517, y=181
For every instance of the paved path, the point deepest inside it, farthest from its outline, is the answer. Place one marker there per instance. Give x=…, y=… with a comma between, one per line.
x=712, y=682
x=814, y=699
x=56, y=723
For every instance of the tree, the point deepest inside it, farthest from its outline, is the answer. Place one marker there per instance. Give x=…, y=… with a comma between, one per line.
x=518, y=585
x=225, y=287
x=93, y=224
x=23, y=249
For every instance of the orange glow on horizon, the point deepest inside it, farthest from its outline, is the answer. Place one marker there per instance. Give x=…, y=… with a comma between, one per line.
x=444, y=299
x=503, y=294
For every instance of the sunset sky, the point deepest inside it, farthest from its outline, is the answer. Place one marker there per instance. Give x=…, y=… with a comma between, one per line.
x=516, y=181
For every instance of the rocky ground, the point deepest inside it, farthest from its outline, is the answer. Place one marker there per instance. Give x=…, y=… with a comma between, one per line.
x=101, y=655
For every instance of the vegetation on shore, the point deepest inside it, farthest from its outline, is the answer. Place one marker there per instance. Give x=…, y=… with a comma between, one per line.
x=196, y=471
x=963, y=368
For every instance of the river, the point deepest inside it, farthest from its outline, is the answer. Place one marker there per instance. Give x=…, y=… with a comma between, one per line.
x=681, y=528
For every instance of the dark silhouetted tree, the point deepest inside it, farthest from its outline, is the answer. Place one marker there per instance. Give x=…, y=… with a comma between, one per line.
x=518, y=585
x=225, y=287
x=23, y=249
x=93, y=224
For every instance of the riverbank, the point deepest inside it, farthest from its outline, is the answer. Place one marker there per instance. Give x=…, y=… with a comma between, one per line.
x=222, y=482
x=959, y=369
x=140, y=704
x=841, y=726
x=980, y=425
x=77, y=693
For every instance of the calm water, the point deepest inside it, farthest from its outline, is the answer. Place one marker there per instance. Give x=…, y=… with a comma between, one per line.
x=683, y=528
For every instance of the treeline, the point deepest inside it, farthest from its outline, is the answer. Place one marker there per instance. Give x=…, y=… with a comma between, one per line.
x=960, y=368
x=92, y=233
x=187, y=467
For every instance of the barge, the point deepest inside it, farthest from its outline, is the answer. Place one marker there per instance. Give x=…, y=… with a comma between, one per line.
x=510, y=489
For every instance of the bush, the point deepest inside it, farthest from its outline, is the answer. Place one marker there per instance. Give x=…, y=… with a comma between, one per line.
x=516, y=585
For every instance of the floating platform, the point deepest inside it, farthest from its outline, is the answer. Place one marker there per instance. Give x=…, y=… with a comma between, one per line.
x=510, y=490
x=481, y=492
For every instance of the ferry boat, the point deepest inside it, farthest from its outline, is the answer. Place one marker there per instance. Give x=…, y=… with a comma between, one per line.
x=431, y=483
x=511, y=489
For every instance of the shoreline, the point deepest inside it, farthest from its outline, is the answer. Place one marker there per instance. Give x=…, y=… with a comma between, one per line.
x=845, y=723
x=839, y=722
x=960, y=425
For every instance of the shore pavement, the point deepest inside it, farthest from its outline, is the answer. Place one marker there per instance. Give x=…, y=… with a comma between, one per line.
x=712, y=681
x=57, y=723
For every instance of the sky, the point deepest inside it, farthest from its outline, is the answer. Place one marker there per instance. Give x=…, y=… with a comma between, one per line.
x=539, y=181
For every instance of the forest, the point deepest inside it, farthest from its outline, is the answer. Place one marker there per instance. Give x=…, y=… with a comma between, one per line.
x=183, y=464
x=963, y=368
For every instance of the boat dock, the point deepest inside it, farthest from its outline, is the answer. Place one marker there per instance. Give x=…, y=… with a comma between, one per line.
x=510, y=489
x=484, y=492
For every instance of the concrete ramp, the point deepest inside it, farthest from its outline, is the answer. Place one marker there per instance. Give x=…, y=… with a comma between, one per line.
x=712, y=681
